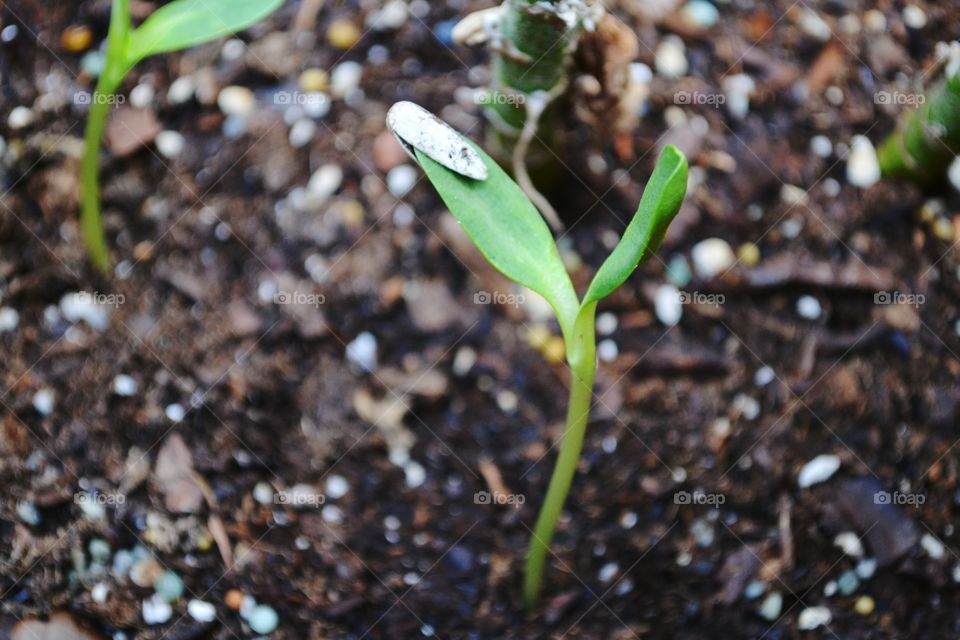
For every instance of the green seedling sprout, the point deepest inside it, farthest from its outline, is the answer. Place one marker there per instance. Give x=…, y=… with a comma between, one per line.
x=174, y=26
x=507, y=229
x=927, y=139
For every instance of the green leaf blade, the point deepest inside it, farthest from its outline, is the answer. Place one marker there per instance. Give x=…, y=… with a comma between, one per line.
x=660, y=203
x=186, y=23
x=507, y=229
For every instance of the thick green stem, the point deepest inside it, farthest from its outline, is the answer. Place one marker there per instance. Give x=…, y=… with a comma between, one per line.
x=114, y=70
x=581, y=347
x=927, y=139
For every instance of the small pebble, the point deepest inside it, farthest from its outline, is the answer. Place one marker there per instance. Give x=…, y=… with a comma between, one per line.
x=813, y=25
x=392, y=15
x=124, y=385
x=864, y=605
x=76, y=38
x=325, y=181
x=863, y=168
x=170, y=144
x=234, y=599
x=145, y=571
x=20, y=118
x=746, y=406
x=764, y=376
x=748, y=254
x=142, y=96
x=608, y=572
x=609, y=444
x=43, y=401
x=302, y=132
x=332, y=514
x=754, y=590
x=169, y=586
x=336, y=487
x=830, y=589
x=401, y=179
x=850, y=543
x=345, y=78
x=702, y=532
x=813, y=617
x=313, y=80
x=866, y=568
x=181, y=90
x=233, y=49
x=821, y=146
x=263, y=493
x=678, y=271
x=362, y=352
x=202, y=612
x=99, y=550
x=507, y=401
x=671, y=58
x=156, y=610
x=932, y=546
x=808, y=307
x=914, y=17
x=415, y=474
x=953, y=173
x=607, y=323
x=667, y=304
x=343, y=34
x=27, y=511
x=956, y=573
x=99, y=592
x=875, y=21
x=608, y=350
x=818, y=470
x=175, y=412
x=9, y=33
x=9, y=318
x=712, y=257
x=629, y=519
x=847, y=583
x=236, y=101
x=263, y=619
x=771, y=606
x=700, y=14
x=737, y=89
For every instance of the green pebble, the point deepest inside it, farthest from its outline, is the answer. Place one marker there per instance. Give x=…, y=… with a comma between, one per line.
x=678, y=272
x=771, y=607
x=169, y=586
x=848, y=583
x=263, y=619
x=99, y=550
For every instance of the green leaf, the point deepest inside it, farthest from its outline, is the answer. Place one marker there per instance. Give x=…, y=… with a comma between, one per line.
x=185, y=23
x=507, y=229
x=660, y=202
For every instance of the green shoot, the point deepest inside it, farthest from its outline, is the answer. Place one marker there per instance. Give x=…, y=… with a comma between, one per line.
x=174, y=26
x=507, y=229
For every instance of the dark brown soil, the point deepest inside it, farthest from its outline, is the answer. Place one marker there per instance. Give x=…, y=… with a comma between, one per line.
x=269, y=396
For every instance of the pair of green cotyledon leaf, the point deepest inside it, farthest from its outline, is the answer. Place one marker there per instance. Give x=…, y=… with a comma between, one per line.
x=509, y=231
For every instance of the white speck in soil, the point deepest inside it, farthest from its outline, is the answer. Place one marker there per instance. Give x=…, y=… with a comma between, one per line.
x=629, y=520
x=668, y=305
x=746, y=406
x=345, y=78
x=362, y=352
x=9, y=319
x=391, y=523
x=325, y=181
x=175, y=412
x=142, y=96
x=849, y=543
x=863, y=168
x=181, y=90
x=607, y=350
x=201, y=611
x=771, y=606
x=609, y=444
x=671, y=58
x=302, y=132
x=754, y=590
x=331, y=514
x=507, y=401
x=831, y=188
x=702, y=532
x=401, y=179
x=156, y=610
x=608, y=572
x=866, y=568
x=237, y=101
x=932, y=546
x=43, y=401
x=170, y=144
x=821, y=146
x=813, y=617
x=463, y=361
x=124, y=385
x=20, y=118
x=736, y=90
x=411, y=578
x=679, y=475
x=233, y=49
x=263, y=493
x=415, y=474
x=711, y=257
x=263, y=619
x=336, y=487
x=684, y=558
x=27, y=512
x=607, y=323
x=99, y=592
x=818, y=470
x=914, y=17
x=809, y=308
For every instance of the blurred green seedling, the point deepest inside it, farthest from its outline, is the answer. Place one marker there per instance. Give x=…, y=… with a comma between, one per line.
x=174, y=26
x=510, y=232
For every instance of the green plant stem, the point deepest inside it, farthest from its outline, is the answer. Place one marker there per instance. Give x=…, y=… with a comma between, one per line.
x=114, y=70
x=581, y=356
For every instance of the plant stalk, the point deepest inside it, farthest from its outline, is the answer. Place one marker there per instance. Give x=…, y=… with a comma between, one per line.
x=582, y=359
x=114, y=70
